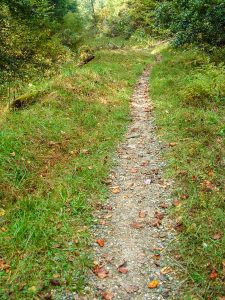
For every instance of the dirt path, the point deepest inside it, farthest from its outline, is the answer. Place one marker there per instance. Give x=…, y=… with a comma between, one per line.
x=134, y=226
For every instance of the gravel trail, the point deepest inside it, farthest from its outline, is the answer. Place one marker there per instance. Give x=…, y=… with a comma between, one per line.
x=133, y=225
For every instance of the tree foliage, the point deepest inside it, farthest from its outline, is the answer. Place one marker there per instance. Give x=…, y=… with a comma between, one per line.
x=194, y=21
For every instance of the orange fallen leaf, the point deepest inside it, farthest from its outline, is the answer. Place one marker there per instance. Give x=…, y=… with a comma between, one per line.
x=153, y=284
x=122, y=270
x=213, y=274
x=137, y=225
x=107, y=295
x=176, y=203
x=142, y=214
x=156, y=256
x=115, y=190
x=100, y=242
x=133, y=170
x=100, y=272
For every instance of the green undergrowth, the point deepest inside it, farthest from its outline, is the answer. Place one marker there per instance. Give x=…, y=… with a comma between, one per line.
x=54, y=157
x=189, y=93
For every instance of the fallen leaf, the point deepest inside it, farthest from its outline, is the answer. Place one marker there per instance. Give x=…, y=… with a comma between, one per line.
x=22, y=286
x=166, y=270
x=85, y=152
x=184, y=196
x=48, y=296
x=164, y=205
x=107, y=295
x=55, y=282
x=213, y=274
x=142, y=214
x=156, y=223
x=13, y=154
x=217, y=236
x=173, y=144
x=134, y=170
x=55, y=276
x=115, y=190
x=123, y=270
x=2, y=212
x=156, y=256
x=101, y=272
x=100, y=242
x=153, y=284
x=137, y=225
x=102, y=222
x=159, y=215
x=207, y=186
x=32, y=289
x=179, y=226
x=210, y=173
x=223, y=266
x=176, y=203
x=130, y=289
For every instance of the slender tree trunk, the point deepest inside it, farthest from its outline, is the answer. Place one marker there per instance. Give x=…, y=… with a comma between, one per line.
x=94, y=14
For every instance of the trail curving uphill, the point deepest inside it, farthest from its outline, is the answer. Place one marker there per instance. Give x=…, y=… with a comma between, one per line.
x=133, y=230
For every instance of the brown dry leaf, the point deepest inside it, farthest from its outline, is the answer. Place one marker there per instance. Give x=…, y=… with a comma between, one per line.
x=137, y=225
x=207, y=186
x=122, y=270
x=213, y=274
x=156, y=223
x=166, y=270
x=102, y=222
x=55, y=276
x=100, y=242
x=223, y=266
x=184, y=196
x=179, y=226
x=173, y=144
x=130, y=289
x=142, y=214
x=211, y=174
x=115, y=190
x=107, y=295
x=22, y=286
x=101, y=272
x=159, y=215
x=176, y=203
x=217, y=236
x=85, y=152
x=108, y=216
x=153, y=284
x=164, y=205
x=156, y=256
x=55, y=282
x=134, y=170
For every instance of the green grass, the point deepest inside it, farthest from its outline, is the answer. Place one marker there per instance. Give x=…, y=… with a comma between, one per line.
x=189, y=93
x=54, y=156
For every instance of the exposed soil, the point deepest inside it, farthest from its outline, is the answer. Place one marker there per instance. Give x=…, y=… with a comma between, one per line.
x=133, y=230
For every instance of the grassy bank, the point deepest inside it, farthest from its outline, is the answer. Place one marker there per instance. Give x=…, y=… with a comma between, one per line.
x=188, y=91
x=54, y=157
